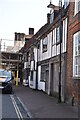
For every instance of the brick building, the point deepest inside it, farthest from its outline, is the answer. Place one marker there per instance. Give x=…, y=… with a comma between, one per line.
x=73, y=52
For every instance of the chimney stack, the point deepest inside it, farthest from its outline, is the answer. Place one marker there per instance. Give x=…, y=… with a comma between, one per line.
x=31, y=31
x=48, y=18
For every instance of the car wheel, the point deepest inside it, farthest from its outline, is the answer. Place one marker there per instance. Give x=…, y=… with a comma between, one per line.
x=10, y=90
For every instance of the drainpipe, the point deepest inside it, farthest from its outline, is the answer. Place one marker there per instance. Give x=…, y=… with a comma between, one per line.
x=60, y=8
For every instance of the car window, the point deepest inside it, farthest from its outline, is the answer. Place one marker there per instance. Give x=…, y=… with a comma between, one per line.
x=4, y=73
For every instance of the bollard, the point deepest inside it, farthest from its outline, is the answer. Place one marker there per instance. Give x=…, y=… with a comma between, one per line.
x=17, y=79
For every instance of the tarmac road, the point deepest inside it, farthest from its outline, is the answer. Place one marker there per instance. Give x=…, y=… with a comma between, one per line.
x=11, y=108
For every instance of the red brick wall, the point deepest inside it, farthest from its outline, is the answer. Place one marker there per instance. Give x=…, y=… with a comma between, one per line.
x=73, y=27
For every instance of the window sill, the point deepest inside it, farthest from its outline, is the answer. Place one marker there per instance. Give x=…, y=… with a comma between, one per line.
x=44, y=51
x=42, y=81
x=76, y=78
x=58, y=43
x=53, y=44
x=75, y=14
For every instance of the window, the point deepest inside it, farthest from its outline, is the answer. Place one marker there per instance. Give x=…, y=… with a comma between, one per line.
x=77, y=6
x=45, y=44
x=44, y=68
x=76, y=54
x=31, y=75
x=58, y=35
x=42, y=73
x=54, y=37
x=66, y=3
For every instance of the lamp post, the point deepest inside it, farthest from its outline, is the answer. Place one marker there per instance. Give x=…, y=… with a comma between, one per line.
x=60, y=8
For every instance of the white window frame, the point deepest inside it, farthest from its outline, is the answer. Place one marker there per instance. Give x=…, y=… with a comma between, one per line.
x=77, y=8
x=66, y=3
x=76, y=55
x=44, y=43
x=54, y=37
x=58, y=35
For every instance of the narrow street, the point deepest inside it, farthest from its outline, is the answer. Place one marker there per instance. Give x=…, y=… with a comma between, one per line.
x=40, y=105
x=39, y=59
x=27, y=103
x=11, y=107
x=8, y=110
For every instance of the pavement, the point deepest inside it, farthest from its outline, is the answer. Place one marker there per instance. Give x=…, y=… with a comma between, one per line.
x=39, y=105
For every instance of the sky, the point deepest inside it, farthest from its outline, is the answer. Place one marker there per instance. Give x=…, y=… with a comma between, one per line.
x=19, y=15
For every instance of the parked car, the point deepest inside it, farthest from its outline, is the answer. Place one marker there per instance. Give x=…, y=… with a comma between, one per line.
x=25, y=82
x=5, y=81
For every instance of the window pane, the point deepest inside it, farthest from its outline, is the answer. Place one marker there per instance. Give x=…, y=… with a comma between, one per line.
x=76, y=51
x=79, y=5
x=45, y=44
x=58, y=35
x=76, y=54
x=76, y=61
x=79, y=39
x=76, y=70
x=79, y=70
x=31, y=75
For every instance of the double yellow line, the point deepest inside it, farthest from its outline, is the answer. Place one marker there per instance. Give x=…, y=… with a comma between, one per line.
x=16, y=108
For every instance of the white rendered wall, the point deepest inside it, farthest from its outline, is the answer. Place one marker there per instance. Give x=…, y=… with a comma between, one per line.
x=41, y=85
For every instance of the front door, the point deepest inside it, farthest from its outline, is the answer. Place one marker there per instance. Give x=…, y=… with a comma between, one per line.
x=55, y=78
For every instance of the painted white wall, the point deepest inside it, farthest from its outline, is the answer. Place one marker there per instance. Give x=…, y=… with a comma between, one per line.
x=32, y=65
x=35, y=56
x=52, y=48
x=47, y=54
x=41, y=85
x=32, y=84
x=56, y=49
x=25, y=65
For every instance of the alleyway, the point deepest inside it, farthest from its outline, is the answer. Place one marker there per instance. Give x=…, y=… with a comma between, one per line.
x=40, y=105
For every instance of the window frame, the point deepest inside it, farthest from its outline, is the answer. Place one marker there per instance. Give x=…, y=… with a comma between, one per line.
x=43, y=39
x=76, y=45
x=58, y=42
x=77, y=9
x=54, y=37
